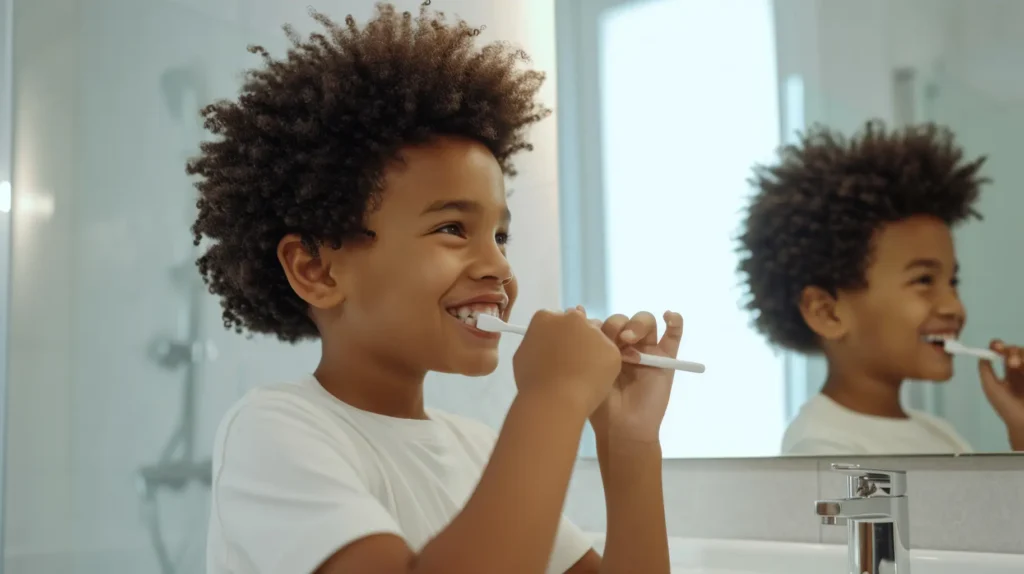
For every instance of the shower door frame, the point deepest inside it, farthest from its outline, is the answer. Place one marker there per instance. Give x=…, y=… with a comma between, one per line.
x=6, y=221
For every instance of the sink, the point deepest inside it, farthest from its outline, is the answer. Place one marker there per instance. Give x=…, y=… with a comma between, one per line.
x=700, y=556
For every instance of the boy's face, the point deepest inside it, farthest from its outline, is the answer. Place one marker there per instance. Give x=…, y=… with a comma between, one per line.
x=911, y=294
x=438, y=258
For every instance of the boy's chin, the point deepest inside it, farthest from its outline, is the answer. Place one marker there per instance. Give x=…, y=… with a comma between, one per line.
x=934, y=375
x=478, y=365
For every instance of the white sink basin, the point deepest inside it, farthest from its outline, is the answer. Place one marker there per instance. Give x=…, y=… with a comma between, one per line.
x=697, y=556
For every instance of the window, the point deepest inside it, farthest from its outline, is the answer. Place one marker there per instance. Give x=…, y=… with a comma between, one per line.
x=664, y=108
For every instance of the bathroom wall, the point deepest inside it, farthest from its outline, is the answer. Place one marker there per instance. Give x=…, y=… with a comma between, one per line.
x=102, y=262
x=101, y=252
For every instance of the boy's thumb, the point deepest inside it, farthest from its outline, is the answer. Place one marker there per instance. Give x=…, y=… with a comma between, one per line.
x=998, y=392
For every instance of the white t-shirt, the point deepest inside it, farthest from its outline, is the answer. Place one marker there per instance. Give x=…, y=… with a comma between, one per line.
x=823, y=426
x=298, y=474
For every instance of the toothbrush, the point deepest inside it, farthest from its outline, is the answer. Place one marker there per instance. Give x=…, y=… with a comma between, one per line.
x=493, y=324
x=957, y=348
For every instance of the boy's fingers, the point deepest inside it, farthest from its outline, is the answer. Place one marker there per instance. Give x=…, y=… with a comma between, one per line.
x=673, y=336
x=613, y=326
x=1004, y=401
x=630, y=355
x=1014, y=358
x=642, y=328
x=994, y=389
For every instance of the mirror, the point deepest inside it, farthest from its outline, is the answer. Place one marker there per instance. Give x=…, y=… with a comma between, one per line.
x=664, y=108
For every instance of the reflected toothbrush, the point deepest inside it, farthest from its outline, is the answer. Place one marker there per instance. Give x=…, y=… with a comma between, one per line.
x=955, y=347
x=493, y=324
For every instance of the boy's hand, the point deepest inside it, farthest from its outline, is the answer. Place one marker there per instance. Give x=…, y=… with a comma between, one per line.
x=1007, y=394
x=565, y=357
x=636, y=405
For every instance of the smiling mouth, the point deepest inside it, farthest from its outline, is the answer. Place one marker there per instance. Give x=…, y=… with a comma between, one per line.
x=468, y=313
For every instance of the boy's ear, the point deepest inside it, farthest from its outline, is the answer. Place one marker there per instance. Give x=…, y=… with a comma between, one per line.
x=312, y=277
x=823, y=313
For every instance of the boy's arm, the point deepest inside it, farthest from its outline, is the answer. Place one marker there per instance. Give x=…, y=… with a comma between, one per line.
x=1016, y=437
x=509, y=523
x=590, y=563
x=637, y=538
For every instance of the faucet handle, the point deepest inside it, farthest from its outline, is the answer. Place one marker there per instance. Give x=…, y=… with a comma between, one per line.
x=867, y=482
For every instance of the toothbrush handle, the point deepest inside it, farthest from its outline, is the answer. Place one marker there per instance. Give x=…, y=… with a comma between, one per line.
x=986, y=354
x=645, y=359
x=667, y=363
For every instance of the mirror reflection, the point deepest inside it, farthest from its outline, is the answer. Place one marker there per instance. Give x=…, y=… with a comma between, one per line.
x=826, y=190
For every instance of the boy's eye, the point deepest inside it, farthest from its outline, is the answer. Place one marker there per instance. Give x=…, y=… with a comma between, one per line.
x=452, y=229
x=456, y=229
x=930, y=280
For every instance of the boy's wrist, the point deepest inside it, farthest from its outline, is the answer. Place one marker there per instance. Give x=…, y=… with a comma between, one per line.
x=618, y=444
x=1016, y=436
x=628, y=439
x=547, y=402
x=626, y=466
x=621, y=460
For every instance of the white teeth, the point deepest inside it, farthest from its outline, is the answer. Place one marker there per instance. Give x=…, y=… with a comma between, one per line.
x=468, y=313
x=940, y=338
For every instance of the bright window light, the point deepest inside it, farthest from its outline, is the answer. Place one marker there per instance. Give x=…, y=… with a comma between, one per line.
x=690, y=103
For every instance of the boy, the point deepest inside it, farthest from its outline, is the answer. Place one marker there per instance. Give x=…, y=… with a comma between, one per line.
x=356, y=195
x=848, y=251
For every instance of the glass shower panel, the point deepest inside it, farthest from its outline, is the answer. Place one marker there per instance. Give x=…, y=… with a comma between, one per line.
x=119, y=365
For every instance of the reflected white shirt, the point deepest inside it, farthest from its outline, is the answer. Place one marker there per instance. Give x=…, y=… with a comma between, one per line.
x=823, y=426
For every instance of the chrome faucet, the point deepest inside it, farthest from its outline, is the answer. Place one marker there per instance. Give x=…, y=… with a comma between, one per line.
x=877, y=517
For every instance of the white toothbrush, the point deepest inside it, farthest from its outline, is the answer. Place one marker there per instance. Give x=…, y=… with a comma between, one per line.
x=493, y=324
x=957, y=348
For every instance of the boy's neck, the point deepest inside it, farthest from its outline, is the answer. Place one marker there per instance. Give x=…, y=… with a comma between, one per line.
x=865, y=394
x=369, y=383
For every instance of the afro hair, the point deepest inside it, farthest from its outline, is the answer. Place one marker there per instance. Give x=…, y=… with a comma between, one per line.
x=305, y=146
x=815, y=211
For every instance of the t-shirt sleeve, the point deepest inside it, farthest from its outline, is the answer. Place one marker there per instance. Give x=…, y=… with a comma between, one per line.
x=287, y=495
x=570, y=545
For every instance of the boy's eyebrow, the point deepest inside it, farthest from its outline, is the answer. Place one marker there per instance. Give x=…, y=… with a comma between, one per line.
x=462, y=206
x=930, y=264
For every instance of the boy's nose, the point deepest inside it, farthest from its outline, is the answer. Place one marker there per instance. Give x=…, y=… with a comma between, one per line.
x=502, y=275
x=492, y=264
x=953, y=307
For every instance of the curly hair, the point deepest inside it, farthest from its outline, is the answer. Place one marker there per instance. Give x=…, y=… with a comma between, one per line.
x=815, y=211
x=305, y=146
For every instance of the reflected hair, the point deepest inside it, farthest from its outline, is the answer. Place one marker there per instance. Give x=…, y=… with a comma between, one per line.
x=816, y=209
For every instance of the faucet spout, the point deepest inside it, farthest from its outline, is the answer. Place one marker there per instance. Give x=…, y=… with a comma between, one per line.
x=872, y=509
x=877, y=519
